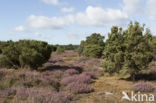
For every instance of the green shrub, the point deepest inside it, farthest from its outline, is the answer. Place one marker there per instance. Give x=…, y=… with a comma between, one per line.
x=5, y=62
x=25, y=53
x=154, y=44
x=81, y=47
x=92, y=47
x=114, y=47
x=128, y=51
x=93, y=51
x=4, y=44
x=108, y=66
x=59, y=50
x=69, y=47
x=35, y=61
x=53, y=48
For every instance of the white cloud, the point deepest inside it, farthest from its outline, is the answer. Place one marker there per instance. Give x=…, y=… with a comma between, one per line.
x=68, y=10
x=52, y=2
x=42, y=22
x=151, y=7
x=96, y=16
x=93, y=16
x=20, y=28
x=133, y=6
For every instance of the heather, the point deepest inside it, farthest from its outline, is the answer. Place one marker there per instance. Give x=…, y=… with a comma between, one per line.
x=143, y=86
x=32, y=86
x=66, y=78
x=78, y=87
x=71, y=71
x=50, y=85
x=85, y=77
x=152, y=67
x=32, y=95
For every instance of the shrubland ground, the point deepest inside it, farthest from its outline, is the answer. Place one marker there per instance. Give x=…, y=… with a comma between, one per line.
x=107, y=88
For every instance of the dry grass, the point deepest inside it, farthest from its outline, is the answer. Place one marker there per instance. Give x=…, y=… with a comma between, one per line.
x=103, y=88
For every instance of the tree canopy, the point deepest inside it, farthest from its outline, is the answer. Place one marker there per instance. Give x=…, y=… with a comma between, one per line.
x=128, y=51
x=25, y=53
x=93, y=46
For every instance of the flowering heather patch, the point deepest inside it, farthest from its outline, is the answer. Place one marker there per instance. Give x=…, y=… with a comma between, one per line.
x=47, y=81
x=29, y=78
x=153, y=69
x=71, y=71
x=62, y=73
x=32, y=95
x=81, y=78
x=61, y=97
x=24, y=74
x=58, y=73
x=33, y=79
x=24, y=93
x=53, y=62
x=77, y=87
x=7, y=92
x=144, y=86
x=2, y=73
x=80, y=65
x=89, y=64
x=90, y=74
x=47, y=74
x=69, y=79
x=52, y=74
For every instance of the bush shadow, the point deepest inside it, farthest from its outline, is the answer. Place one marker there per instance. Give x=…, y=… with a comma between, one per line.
x=141, y=76
x=60, y=67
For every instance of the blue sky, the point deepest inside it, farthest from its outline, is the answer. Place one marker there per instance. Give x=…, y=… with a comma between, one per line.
x=70, y=21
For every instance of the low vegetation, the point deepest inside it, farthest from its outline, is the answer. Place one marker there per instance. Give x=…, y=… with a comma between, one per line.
x=143, y=86
x=59, y=50
x=53, y=84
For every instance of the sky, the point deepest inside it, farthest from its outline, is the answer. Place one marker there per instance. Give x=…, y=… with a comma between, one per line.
x=70, y=21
